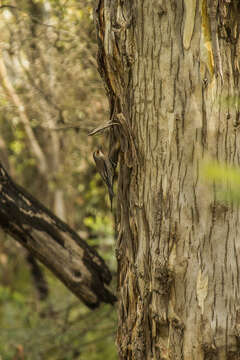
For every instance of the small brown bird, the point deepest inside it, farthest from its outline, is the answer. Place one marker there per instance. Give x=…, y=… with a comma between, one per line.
x=106, y=170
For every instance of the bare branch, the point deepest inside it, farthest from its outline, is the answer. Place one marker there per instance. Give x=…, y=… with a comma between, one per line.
x=102, y=127
x=54, y=243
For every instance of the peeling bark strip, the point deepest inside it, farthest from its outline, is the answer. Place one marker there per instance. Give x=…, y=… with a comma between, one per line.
x=178, y=249
x=213, y=15
x=54, y=243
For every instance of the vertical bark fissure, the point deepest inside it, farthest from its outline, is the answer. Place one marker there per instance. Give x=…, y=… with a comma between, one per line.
x=177, y=242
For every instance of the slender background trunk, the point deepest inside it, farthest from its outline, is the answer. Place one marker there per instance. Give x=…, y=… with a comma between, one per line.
x=171, y=69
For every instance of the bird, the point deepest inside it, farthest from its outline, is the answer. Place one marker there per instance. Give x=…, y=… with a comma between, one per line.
x=106, y=170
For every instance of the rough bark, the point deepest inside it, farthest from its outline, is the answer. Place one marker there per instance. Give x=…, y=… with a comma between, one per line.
x=54, y=243
x=170, y=69
x=38, y=277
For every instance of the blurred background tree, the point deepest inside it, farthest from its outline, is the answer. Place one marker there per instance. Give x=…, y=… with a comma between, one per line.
x=51, y=97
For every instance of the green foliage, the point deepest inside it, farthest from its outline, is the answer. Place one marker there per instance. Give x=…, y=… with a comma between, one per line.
x=230, y=101
x=226, y=180
x=60, y=328
x=49, y=50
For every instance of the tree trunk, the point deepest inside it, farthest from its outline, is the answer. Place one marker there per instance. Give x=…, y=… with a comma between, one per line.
x=54, y=243
x=171, y=70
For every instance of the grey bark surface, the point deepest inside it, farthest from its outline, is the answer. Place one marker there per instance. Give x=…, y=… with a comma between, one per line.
x=170, y=69
x=53, y=243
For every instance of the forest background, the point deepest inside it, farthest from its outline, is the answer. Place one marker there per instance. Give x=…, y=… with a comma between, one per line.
x=51, y=97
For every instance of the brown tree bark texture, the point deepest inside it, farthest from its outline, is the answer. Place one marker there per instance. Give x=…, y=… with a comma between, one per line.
x=170, y=69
